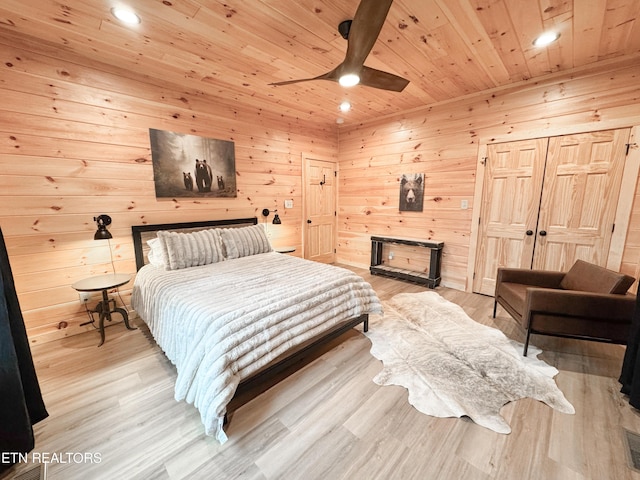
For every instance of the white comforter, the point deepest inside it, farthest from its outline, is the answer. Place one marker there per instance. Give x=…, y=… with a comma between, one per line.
x=220, y=323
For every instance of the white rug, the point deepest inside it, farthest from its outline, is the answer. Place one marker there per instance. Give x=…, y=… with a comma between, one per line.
x=453, y=366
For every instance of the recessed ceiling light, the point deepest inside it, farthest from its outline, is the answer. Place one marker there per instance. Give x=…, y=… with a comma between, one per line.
x=345, y=106
x=125, y=15
x=546, y=38
x=339, y=120
x=349, y=80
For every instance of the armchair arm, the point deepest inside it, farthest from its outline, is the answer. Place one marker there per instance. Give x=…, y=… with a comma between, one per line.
x=537, y=278
x=574, y=303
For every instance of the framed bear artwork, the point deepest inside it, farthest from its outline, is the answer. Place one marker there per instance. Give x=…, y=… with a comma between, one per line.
x=411, y=192
x=191, y=166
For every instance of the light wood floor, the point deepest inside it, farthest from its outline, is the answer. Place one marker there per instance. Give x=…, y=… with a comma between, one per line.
x=327, y=420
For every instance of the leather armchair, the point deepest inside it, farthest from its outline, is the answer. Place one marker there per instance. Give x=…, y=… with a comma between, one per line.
x=588, y=302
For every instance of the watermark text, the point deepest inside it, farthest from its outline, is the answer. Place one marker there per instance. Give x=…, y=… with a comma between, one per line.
x=50, y=457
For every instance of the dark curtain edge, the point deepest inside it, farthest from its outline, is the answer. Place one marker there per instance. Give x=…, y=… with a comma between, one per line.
x=630, y=373
x=22, y=402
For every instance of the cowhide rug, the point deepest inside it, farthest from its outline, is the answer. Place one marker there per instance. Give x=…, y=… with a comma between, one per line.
x=453, y=366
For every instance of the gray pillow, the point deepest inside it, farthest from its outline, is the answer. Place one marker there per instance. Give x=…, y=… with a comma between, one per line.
x=184, y=250
x=245, y=241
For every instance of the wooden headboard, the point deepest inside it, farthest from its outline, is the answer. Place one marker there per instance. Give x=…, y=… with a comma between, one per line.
x=143, y=233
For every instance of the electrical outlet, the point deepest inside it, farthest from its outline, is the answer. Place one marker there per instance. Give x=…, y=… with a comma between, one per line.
x=390, y=255
x=84, y=296
x=288, y=204
x=464, y=204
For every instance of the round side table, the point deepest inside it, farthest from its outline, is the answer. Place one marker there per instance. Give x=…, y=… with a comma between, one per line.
x=284, y=249
x=103, y=283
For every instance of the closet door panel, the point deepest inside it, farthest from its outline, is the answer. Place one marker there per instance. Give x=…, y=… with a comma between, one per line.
x=511, y=198
x=579, y=198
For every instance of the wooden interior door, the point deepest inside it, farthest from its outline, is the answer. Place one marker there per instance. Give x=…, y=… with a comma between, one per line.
x=579, y=199
x=544, y=208
x=509, y=213
x=320, y=209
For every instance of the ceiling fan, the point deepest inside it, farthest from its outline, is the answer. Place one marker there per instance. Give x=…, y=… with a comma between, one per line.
x=361, y=34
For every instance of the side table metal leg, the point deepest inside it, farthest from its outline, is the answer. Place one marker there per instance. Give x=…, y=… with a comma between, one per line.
x=103, y=315
x=105, y=311
x=103, y=308
x=125, y=317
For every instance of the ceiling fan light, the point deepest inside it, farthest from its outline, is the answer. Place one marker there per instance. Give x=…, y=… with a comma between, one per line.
x=349, y=80
x=125, y=15
x=546, y=38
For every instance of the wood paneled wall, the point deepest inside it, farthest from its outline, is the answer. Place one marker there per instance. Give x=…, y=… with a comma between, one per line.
x=443, y=141
x=75, y=144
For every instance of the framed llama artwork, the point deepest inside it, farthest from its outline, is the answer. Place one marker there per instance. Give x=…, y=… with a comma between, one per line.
x=191, y=166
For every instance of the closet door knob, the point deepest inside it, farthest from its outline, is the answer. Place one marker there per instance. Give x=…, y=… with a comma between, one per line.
x=309, y=221
x=529, y=232
x=543, y=233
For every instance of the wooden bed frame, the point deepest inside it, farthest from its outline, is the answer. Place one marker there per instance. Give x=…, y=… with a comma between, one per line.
x=283, y=365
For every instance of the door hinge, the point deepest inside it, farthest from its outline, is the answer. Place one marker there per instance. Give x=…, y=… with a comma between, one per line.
x=613, y=228
x=629, y=145
x=484, y=160
x=335, y=173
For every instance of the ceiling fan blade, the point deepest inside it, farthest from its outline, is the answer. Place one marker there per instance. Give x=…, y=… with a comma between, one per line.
x=382, y=80
x=364, y=31
x=325, y=76
x=361, y=35
x=289, y=82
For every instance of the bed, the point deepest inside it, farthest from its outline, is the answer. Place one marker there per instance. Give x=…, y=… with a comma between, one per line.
x=228, y=311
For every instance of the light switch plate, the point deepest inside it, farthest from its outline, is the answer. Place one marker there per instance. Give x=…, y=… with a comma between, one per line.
x=288, y=204
x=464, y=204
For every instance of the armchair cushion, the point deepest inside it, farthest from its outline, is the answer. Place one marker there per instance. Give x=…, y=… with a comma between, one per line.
x=587, y=277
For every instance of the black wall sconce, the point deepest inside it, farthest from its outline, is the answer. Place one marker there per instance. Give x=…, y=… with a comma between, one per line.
x=276, y=218
x=102, y=233
x=103, y=221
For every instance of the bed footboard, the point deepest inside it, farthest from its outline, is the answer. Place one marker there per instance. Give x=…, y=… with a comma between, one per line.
x=270, y=375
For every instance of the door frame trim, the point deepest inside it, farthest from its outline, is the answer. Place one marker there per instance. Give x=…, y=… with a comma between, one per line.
x=475, y=215
x=624, y=207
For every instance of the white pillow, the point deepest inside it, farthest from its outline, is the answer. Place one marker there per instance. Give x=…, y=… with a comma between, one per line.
x=155, y=254
x=184, y=250
x=245, y=241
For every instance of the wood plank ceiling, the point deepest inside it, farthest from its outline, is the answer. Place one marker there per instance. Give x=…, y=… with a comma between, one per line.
x=233, y=49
